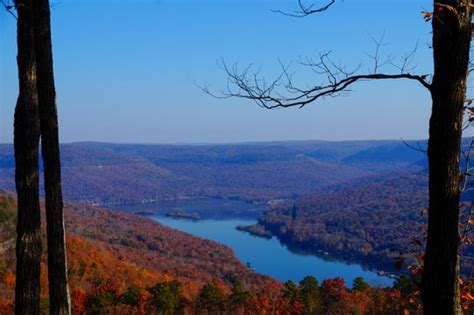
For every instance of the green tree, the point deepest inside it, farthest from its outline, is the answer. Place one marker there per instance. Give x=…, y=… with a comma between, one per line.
x=239, y=296
x=211, y=299
x=311, y=295
x=291, y=292
x=405, y=285
x=359, y=284
x=100, y=302
x=131, y=296
x=167, y=297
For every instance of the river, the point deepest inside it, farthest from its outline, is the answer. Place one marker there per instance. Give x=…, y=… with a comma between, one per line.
x=269, y=256
x=266, y=256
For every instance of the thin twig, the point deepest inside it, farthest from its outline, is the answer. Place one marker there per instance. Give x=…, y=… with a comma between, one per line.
x=417, y=148
x=9, y=8
x=306, y=10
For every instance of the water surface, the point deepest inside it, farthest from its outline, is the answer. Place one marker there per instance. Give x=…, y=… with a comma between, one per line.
x=270, y=257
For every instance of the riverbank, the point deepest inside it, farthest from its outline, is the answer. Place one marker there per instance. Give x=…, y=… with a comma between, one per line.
x=270, y=256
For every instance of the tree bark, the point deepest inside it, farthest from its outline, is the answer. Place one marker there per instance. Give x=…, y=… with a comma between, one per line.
x=26, y=142
x=451, y=45
x=57, y=263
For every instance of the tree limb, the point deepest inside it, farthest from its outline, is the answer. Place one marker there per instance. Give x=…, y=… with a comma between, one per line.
x=9, y=8
x=251, y=86
x=305, y=10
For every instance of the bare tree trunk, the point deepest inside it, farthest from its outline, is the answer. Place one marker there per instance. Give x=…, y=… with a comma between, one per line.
x=57, y=264
x=451, y=44
x=26, y=142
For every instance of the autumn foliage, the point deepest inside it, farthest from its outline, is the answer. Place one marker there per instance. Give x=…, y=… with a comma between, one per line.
x=114, y=271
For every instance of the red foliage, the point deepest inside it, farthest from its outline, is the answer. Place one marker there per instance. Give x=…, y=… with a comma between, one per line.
x=102, y=270
x=334, y=288
x=78, y=296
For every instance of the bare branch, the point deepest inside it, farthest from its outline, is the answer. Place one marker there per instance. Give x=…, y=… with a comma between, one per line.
x=418, y=146
x=9, y=8
x=376, y=56
x=305, y=10
x=282, y=92
x=466, y=185
x=467, y=154
x=467, y=225
x=407, y=60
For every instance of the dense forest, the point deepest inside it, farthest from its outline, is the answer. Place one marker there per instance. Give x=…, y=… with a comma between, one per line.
x=359, y=201
x=122, y=263
x=115, y=173
x=372, y=223
x=370, y=213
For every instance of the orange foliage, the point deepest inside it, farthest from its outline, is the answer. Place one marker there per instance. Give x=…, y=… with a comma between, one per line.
x=111, y=255
x=78, y=296
x=9, y=280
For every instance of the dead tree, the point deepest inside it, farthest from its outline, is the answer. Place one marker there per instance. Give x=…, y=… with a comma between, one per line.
x=26, y=143
x=57, y=264
x=35, y=117
x=451, y=23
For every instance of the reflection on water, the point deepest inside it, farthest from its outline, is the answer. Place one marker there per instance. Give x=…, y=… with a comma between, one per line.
x=270, y=257
x=206, y=208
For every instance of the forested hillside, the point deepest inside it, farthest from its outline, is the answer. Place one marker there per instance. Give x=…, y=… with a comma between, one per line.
x=357, y=201
x=124, y=264
x=122, y=249
x=115, y=173
x=371, y=222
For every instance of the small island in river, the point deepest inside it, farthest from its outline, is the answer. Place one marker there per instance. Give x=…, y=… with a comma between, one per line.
x=144, y=213
x=181, y=214
x=256, y=230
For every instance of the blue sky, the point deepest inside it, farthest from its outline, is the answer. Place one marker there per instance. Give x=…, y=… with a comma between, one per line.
x=126, y=70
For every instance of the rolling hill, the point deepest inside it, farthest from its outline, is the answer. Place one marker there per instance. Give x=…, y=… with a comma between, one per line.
x=129, y=173
x=121, y=249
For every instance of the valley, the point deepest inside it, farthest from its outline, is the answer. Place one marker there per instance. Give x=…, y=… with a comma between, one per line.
x=271, y=257
x=333, y=210
x=115, y=174
x=122, y=263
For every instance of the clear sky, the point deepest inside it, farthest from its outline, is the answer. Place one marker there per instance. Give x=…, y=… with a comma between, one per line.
x=125, y=70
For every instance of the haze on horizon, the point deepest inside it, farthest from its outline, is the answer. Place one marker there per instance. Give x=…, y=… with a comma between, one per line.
x=126, y=71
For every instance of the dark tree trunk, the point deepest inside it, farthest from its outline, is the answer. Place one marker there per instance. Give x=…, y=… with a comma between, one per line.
x=26, y=142
x=57, y=264
x=451, y=44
